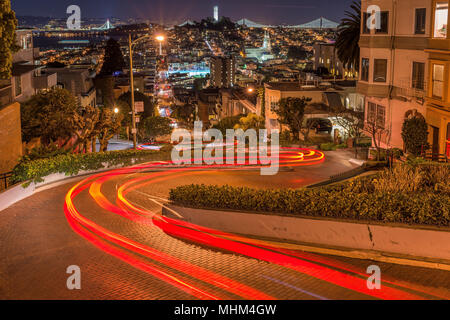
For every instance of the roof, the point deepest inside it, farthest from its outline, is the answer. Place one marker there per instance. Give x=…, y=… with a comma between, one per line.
x=19, y=69
x=294, y=86
x=334, y=100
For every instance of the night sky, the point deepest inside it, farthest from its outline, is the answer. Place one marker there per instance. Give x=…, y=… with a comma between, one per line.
x=174, y=11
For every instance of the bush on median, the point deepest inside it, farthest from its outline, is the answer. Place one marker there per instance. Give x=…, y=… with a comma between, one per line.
x=361, y=199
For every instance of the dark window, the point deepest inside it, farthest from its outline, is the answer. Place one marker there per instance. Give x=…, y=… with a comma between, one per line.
x=18, y=85
x=379, y=70
x=365, y=69
x=418, y=75
x=365, y=30
x=384, y=24
x=421, y=16
x=371, y=112
x=381, y=117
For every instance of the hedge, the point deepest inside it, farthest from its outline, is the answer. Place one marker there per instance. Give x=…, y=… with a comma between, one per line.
x=72, y=164
x=339, y=201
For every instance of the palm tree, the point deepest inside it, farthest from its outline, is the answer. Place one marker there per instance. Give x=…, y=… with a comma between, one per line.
x=347, y=46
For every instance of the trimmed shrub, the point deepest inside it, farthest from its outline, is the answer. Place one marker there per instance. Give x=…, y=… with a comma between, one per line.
x=365, y=199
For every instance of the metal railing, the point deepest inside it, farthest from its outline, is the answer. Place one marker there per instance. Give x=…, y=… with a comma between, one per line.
x=5, y=180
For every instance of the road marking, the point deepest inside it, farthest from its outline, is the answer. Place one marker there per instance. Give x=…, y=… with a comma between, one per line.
x=295, y=288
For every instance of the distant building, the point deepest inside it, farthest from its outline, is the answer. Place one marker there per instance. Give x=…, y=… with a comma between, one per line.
x=325, y=56
x=216, y=13
x=325, y=94
x=261, y=54
x=223, y=72
x=77, y=81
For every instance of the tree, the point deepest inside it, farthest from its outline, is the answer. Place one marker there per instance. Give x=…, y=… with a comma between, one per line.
x=149, y=106
x=291, y=112
x=251, y=121
x=8, y=25
x=415, y=132
x=348, y=33
x=228, y=123
x=49, y=116
x=104, y=84
x=184, y=113
x=113, y=61
x=86, y=123
x=108, y=125
x=153, y=127
x=377, y=133
x=351, y=121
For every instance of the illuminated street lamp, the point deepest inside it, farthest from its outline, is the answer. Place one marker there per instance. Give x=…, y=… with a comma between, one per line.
x=250, y=90
x=116, y=110
x=133, y=110
x=160, y=39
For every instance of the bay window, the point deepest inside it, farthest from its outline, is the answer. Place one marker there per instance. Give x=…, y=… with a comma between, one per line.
x=441, y=20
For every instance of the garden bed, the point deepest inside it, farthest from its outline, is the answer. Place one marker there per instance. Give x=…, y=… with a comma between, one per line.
x=72, y=164
x=407, y=195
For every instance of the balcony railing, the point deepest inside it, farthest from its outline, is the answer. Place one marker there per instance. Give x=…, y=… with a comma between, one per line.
x=6, y=96
x=412, y=90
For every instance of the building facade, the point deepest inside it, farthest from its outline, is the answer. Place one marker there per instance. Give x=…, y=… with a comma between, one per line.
x=223, y=72
x=325, y=56
x=394, y=69
x=438, y=93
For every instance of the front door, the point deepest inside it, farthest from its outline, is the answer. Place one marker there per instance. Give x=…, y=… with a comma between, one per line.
x=435, y=146
x=448, y=141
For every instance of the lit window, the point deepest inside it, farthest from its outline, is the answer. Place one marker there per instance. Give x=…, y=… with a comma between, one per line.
x=365, y=69
x=438, y=80
x=441, y=20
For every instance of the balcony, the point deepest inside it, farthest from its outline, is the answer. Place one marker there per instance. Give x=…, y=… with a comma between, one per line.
x=405, y=90
x=6, y=95
x=44, y=81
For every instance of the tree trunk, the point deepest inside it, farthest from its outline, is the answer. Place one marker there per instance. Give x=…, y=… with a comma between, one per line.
x=94, y=145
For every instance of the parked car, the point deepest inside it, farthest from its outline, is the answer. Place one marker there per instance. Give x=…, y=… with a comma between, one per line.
x=320, y=125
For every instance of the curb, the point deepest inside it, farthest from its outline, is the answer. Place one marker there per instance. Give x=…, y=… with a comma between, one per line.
x=421, y=247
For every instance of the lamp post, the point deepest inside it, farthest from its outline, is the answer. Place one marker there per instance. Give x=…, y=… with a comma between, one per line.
x=133, y=110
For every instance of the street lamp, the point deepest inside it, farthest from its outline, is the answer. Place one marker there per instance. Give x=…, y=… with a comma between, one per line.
x=250, y=90
x=116, y=110
x=133, y=111
x=160, y=39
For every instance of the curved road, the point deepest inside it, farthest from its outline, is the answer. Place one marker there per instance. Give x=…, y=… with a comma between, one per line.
x=110, y=226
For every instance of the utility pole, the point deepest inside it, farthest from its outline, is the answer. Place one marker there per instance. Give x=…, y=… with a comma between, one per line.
x=133, y=111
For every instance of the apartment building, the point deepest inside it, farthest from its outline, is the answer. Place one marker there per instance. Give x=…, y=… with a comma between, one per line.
x=394, y=69
x=26, y=81
x=79, y=81
x=223, y=72
x=324, y=96
x=325, y=56
x=438, y=93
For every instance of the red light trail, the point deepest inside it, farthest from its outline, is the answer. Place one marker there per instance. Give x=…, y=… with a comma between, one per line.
x=198, y=281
